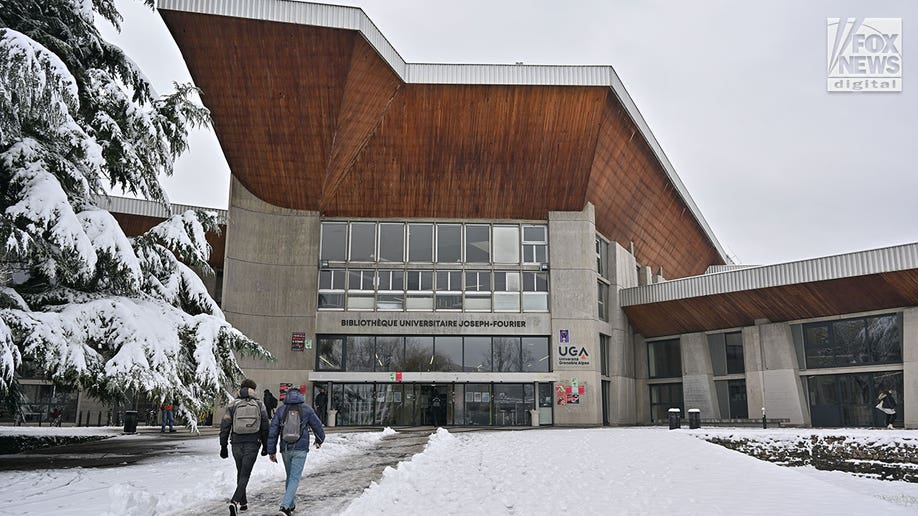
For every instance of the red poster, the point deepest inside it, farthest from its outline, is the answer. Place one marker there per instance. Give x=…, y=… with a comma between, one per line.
x=398, y=376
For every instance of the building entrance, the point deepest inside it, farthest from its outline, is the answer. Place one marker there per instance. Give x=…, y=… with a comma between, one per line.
x=422, y=404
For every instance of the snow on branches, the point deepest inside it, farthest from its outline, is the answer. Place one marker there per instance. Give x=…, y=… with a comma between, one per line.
x=88, y=305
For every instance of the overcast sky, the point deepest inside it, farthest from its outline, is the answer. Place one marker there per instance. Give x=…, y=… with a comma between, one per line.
x=734, y=92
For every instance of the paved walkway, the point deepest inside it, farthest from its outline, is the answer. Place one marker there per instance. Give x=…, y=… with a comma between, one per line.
x=329, y=489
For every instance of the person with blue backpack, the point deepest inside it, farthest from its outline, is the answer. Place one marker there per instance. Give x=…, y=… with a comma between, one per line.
x=290, y=428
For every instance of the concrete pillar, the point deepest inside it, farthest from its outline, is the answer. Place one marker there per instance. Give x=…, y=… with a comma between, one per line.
x=698, y=375
x=574, y=309
x=270, y=280
x=641, y=374
x=909, y=396
x=622, y=386
x=752, y=359
x=784, y=394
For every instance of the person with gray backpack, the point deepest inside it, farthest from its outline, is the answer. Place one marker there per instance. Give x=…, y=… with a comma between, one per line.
x=290, y=428
x=245, y=424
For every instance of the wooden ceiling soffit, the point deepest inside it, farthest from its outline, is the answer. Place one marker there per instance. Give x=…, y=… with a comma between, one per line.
x=636, y=202
x=370, y=87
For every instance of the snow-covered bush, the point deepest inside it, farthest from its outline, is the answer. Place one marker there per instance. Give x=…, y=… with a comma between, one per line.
x=88, y=305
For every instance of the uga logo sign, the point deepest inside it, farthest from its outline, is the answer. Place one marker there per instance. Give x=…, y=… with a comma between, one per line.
x=573, y=351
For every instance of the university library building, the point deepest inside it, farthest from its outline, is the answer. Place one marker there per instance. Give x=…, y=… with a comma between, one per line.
x=505, y=245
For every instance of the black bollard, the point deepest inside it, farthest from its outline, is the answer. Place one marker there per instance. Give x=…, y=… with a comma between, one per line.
x=675, y=418
x=694, y=418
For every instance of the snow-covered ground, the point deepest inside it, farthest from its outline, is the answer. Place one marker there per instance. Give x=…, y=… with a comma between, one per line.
x=176, y=483
x=632, y=471
x=626, y=471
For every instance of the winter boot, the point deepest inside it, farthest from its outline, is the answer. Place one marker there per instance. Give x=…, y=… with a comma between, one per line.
x=233, y=508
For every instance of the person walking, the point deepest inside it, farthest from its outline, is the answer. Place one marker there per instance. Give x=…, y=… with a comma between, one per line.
x=270, y=403
x=245, y=425
x=168, y=417
x=290, y=428
x=322, y=404
x=887, y=405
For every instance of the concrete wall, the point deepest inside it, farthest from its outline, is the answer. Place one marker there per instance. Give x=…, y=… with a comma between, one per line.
x=623, y=406
x=270, y=283
x=573, y=307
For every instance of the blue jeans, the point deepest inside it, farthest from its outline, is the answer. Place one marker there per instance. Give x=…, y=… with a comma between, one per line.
x=294, y=460
x=168, y=419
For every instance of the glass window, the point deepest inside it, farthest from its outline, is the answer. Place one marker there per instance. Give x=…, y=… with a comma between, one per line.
x=855, y=341
x=389, y=354
x=476, y=354
x=420, y=290
x=334, y=241
x=448, y=354
x=420, y=243
x=512, y=403
x=506, y=244
x=602, y=257
x=534, y=354
x=734, y=350
x=449, y=290
x=602, y=301
x=391, y=285
x=359, y=353
x=664, y=397
x=664, y=358
x=419, y=354
x=478, y=291
x=818, y=348
x=391, y=242
x=604, y=354
x=739, y=408
x=535, y=244
x=884, y=339
x=331, y=288
x=360, y=289
x=535, y=292
x=363, y=241
x=329, y=351
x=506, y=291
x=449, y=243
x=507, y=354
x=478, y=404
x=477, y=243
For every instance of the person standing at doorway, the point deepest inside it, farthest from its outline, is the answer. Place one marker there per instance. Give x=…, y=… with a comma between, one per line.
x=887, y=405
x=322, y=404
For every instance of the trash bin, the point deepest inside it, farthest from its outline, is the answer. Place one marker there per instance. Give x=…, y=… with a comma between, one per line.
x=675, y=418
x=130, y=421
x=694, y=418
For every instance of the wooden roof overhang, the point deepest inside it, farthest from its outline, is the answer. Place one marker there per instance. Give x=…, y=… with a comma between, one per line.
x=316, y=111
x=857, y=282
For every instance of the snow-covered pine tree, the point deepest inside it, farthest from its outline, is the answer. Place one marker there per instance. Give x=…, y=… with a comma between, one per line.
x=92, y=308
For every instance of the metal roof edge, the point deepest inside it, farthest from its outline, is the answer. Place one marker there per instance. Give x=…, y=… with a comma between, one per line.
x=858, y=263
x=354, y=18
x=145, y=208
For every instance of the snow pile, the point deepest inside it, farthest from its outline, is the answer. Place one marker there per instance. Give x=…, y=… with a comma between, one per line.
x=608, y=471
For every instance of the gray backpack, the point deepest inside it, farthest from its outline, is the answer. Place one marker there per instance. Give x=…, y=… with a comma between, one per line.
x=291, y=430
x=247, y=417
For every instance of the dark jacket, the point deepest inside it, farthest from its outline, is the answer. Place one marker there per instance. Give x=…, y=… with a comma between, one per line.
x=888, y=401
x=308, y=419
x=226, y=425
x=270, y=401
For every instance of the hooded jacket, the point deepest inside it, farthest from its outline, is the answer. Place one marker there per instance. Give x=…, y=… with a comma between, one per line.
x=226, y=424
x=308, y=419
